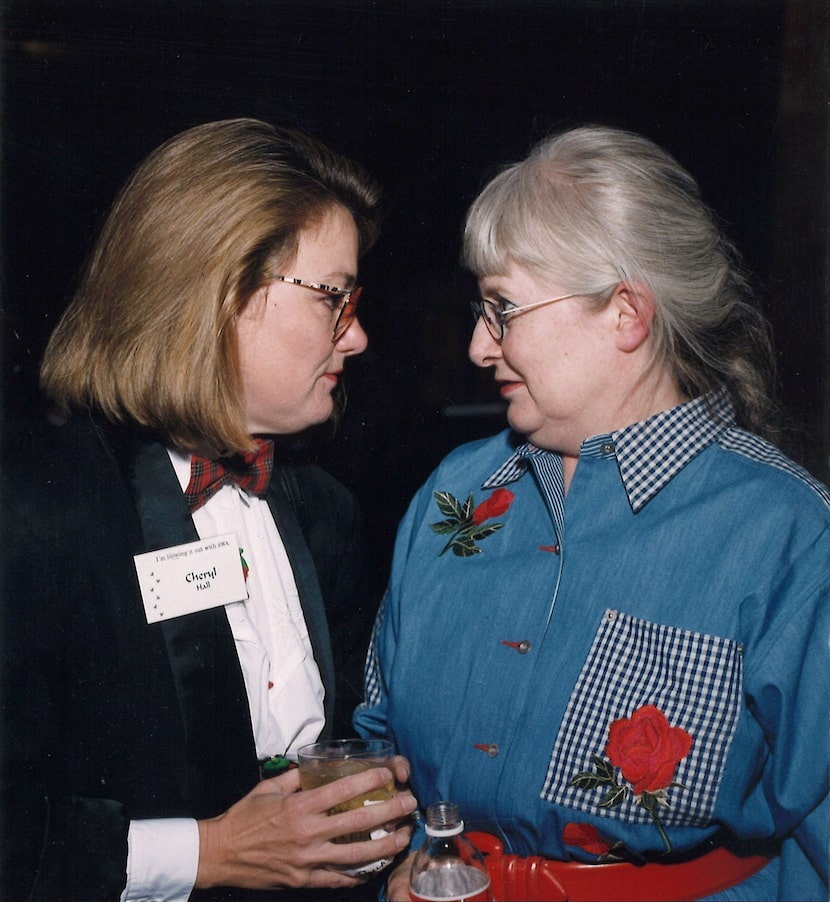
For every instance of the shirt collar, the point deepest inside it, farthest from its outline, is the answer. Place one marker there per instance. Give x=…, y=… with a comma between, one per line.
x=650, y=453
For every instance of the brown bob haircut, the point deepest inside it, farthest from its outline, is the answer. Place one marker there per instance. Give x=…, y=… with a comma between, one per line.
x=150, y=336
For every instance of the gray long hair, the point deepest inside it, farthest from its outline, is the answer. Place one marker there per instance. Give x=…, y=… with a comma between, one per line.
x=594, y=206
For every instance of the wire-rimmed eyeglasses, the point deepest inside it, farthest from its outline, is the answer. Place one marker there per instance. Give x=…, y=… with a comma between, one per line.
x=494, y=317
x=346, y=311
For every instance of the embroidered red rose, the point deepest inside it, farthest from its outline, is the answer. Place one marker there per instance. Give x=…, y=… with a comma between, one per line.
x=494, y=506
x=465, y=523
x=587, y=837
x=647, y=749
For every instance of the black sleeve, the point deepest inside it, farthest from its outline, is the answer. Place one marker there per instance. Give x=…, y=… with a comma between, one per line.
x=52, y=846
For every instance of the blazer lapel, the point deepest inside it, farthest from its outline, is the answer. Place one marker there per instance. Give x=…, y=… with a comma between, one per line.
x=219, y=740
x=308, y=586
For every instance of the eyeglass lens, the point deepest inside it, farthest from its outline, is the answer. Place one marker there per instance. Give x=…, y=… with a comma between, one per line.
x=347, y=313
x=491, y=320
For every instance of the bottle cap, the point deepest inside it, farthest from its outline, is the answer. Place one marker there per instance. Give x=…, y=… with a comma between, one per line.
x=444, y=819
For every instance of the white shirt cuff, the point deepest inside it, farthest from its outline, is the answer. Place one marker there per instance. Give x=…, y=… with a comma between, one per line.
x=162, y=860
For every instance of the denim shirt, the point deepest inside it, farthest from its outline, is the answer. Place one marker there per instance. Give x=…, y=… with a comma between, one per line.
x=531, y=645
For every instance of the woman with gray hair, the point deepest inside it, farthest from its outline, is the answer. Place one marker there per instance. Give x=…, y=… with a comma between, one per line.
x=605, y=633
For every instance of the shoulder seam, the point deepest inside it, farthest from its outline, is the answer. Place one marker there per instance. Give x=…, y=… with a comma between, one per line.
x=756, y=449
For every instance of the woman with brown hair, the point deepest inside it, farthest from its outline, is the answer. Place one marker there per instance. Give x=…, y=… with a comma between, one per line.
x=179, y=598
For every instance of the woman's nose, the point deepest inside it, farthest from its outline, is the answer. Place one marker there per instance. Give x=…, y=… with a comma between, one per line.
x=354, y=340
x=483, y=347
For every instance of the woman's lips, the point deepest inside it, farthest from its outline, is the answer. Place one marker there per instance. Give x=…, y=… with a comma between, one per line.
x=508, y=387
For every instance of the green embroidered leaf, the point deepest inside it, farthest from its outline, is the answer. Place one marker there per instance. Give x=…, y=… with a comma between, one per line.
x=615, y=796
x=448, y=505
x=481, y=532
x=465, y=547
x=604, y=769
x=458, y=525
x=588, y=780
x=444, y=527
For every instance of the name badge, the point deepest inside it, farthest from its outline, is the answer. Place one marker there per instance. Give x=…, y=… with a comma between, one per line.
x=187, y=578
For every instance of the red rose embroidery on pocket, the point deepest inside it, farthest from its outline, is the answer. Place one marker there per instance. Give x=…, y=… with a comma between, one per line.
x=647, y=749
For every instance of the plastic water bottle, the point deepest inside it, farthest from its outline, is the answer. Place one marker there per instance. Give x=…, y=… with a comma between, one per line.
x=448, y=867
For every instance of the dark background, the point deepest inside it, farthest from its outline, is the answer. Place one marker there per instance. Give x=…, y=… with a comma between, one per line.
x=431, y=96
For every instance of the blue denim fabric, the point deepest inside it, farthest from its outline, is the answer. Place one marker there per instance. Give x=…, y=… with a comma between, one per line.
x=723, y=576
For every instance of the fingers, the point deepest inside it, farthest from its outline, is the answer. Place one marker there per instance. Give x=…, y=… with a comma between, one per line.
x=377, y=830
x=287, y=782
x=397, y=886
x=276, y=836
x=375, y=783
x=402, y=769
x=370, y=816
x=330, y=795
x=355, y=855
x=358, y=803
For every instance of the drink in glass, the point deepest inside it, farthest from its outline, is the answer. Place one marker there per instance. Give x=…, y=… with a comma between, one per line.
x=329, y=760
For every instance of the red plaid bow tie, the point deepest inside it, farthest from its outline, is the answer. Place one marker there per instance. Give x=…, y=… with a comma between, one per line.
x=251, y=471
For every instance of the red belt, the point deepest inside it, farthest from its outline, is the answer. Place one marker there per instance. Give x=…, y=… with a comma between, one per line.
x=515, y=879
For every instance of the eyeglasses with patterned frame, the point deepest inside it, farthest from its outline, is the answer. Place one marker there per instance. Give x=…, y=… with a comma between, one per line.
x=346, y=312
x=494, y=317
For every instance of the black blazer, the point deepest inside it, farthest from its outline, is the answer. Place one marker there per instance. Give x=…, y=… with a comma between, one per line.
x=107, y=718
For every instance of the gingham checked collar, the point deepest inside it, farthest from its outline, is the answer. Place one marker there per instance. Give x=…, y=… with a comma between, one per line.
x=650, y=453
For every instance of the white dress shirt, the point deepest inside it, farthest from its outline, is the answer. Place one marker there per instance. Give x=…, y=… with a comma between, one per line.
x=282, y=680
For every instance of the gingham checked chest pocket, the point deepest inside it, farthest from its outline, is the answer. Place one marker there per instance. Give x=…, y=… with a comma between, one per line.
x=648, y=725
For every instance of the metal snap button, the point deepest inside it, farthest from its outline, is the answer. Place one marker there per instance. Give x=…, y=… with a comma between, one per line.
x=492, y=749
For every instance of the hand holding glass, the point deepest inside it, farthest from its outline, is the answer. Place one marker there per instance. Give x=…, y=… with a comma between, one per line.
x=329, y=760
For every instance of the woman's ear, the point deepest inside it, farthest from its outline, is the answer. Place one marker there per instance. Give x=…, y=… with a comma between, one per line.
x=634, y=306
